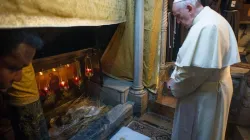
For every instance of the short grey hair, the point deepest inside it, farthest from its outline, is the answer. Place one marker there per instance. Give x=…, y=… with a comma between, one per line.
x=183, y=3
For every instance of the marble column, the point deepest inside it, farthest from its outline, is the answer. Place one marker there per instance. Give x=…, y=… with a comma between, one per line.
x=137, y=93
x=138, y=45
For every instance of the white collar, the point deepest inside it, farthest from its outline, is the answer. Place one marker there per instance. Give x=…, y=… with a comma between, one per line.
x=201, y=14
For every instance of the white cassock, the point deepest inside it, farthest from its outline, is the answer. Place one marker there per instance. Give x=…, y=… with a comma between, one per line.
x=201, y=80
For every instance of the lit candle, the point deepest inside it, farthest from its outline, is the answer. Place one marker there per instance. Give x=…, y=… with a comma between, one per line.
x=68, y=65
x=76, y=79
x=89, y=70
x=46, y=89
x=41, y=73
x=53, y=69
x=62, y=83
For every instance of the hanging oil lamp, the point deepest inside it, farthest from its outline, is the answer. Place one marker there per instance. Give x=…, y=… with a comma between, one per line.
x=63, y=84
x=46, y=89
x=88, y=67
x=77, y=78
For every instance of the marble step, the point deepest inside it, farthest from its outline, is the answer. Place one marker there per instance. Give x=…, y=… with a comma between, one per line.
x=113, y=91
x=169, y=101
x=158, y=121
x=161, y=109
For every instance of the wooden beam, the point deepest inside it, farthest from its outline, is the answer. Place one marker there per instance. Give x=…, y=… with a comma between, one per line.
x=244, y=22
x=57, y=60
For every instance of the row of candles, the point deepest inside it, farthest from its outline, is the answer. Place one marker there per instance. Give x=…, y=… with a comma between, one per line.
x=68, y=69
x=52, y=77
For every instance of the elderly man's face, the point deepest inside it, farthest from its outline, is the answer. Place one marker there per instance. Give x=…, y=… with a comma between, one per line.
x=183, y=14
x=11, y=65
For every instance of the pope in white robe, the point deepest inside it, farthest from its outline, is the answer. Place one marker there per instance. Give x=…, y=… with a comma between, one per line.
x=201, y=80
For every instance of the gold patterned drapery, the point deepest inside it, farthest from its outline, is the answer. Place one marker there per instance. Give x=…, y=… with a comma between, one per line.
x=118, y=59
x=61, y=13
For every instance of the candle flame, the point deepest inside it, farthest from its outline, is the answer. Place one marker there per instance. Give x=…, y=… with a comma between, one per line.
x=88, y=70
x=46, y=89
x=63, y=83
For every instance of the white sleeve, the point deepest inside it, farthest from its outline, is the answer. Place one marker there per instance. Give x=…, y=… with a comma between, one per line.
x=185, y=80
